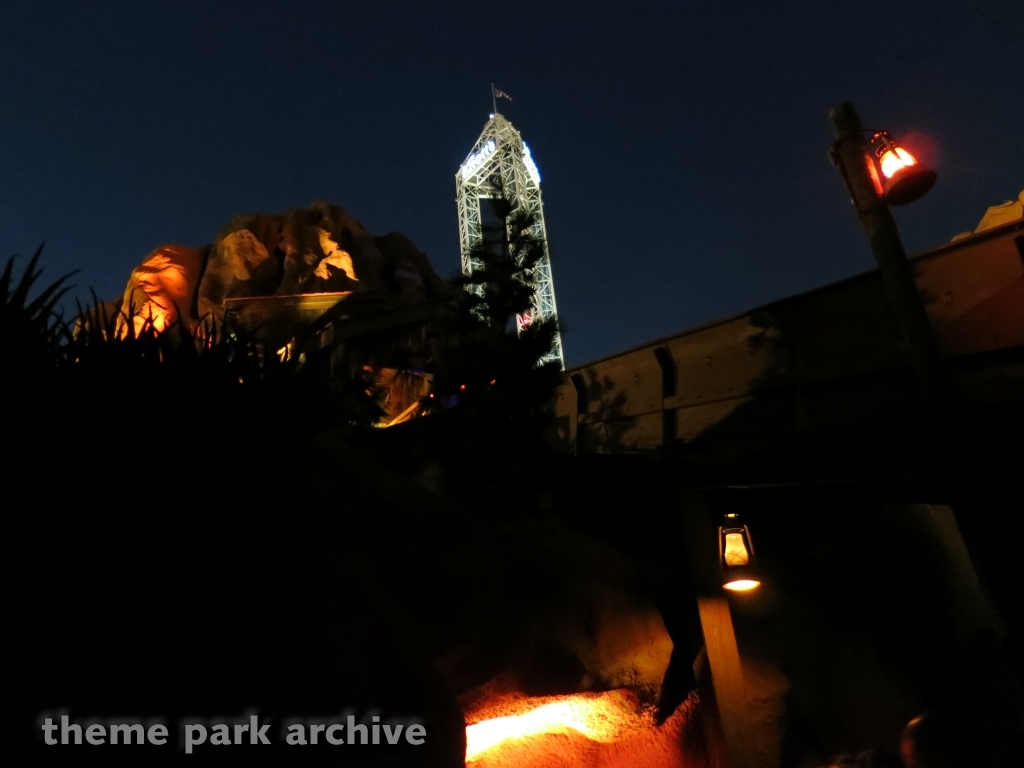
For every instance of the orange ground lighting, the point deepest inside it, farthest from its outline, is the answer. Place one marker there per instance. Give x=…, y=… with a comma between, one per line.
x=599, y=719
x=586, y=730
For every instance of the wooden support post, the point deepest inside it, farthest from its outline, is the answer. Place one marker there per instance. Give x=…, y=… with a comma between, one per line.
x=719, y=635
x=851, y=155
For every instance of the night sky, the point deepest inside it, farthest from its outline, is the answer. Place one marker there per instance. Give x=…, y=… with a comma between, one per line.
x=682, y=145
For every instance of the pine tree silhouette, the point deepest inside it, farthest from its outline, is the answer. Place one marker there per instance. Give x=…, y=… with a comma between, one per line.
x=494, y=374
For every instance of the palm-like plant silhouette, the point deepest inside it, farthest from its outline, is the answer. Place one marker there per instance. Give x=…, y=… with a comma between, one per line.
x=31, y=329
x=125, y=345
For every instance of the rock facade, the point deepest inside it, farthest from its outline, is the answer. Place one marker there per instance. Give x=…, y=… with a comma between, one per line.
x=319, y=249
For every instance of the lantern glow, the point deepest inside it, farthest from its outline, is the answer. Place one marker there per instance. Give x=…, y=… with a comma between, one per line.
x=735, y=550
x=894, y=160
x=736, y=555
x=905, y=179
x=742, y=585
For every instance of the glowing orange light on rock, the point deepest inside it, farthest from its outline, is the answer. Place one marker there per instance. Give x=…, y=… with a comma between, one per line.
x=151, y=316
x=166, y=280
x=583, y=730
x=601, y=718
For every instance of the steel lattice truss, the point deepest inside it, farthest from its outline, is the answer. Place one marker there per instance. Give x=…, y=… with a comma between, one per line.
x=500, y=160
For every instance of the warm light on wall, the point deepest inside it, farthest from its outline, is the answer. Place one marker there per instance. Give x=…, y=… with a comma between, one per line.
x=736, y=555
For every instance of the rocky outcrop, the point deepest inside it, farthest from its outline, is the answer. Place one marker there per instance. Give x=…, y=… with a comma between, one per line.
x=556, y=612
x=318, y=249
x=163, y=286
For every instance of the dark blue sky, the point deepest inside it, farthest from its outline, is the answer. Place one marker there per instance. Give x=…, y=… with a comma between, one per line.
x=682, y=145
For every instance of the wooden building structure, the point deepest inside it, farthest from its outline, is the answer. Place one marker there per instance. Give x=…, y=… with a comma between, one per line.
x=807, y=409
x=827, y=362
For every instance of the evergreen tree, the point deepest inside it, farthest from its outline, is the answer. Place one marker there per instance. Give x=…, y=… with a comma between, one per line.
x=494, y=373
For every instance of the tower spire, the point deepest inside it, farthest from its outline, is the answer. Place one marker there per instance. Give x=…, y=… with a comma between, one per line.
x=500, y=160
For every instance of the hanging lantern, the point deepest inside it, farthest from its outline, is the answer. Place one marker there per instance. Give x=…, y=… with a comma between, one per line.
x=905, y=179
x=736, y=555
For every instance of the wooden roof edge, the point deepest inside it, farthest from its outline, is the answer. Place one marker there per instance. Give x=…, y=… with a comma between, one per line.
x=972, y=239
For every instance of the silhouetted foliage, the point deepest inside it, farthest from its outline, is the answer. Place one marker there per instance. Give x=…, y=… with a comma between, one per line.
x=206, y=361
x=124, y=343
x=31, y=330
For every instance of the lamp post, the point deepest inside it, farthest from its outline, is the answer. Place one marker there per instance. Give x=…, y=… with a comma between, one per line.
x=861, y=159
x=708, y=577
x=906, y=180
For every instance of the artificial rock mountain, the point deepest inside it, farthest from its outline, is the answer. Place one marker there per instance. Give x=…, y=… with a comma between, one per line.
x=318, y=249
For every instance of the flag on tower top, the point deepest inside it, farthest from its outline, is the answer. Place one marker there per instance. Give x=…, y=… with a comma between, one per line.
x=499, y=94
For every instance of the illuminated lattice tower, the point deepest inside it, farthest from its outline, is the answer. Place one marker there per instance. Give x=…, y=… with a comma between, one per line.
x=500, y=160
